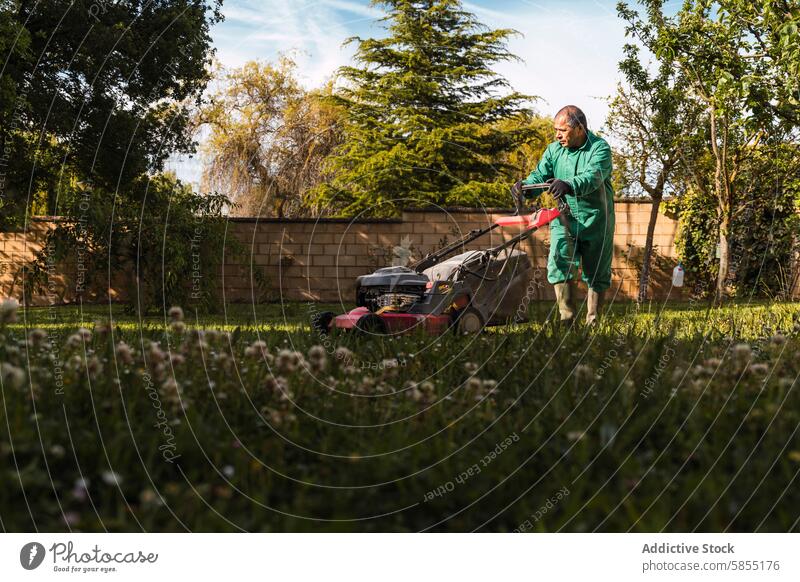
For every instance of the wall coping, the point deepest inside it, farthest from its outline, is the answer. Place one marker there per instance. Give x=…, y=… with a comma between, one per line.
x=393, y=220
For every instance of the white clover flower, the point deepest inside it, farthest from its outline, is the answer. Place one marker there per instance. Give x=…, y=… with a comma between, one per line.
x=343, y=355
x=318, y=358
x=759, y=368
x=473, y=384
x=257, y=348
x=156, y=354
x=124, y=353
x=8, y=310
x=471, y=367
x=13, y=377
x=575, y=435
x=93, y=367
x=111, y=478
x=84, y=334
x=37, y=336
x=778, y=339
x=176, y=313
x=74, y=341
x=279, y=386
x=286, y=363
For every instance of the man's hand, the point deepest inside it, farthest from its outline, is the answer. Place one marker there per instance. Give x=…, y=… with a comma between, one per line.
x=516, y=189
x=559, y=188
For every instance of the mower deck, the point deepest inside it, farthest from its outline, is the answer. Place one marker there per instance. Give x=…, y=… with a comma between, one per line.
x=396, y=323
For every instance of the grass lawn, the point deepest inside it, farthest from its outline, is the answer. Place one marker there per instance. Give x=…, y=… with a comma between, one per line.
x=679, y=417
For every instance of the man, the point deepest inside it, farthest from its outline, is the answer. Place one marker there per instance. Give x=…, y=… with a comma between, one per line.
x=579, y=163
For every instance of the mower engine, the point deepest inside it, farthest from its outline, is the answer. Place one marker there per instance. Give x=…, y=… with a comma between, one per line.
x=397, y=288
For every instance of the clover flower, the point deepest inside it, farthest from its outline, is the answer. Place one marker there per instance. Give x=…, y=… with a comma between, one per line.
x=111, y=478
x=8, y=310
x=288, y=361
x=175, y=313
x=13, y=377
x=343, y=355
x=36, y=337
x=124, y=353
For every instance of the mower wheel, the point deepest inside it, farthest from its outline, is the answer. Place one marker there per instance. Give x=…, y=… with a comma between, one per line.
x=469, y=322
x=371, y=324
x=321, y=322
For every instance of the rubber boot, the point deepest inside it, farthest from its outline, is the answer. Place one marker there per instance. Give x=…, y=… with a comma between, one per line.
x=594, y=303
x=565, y=297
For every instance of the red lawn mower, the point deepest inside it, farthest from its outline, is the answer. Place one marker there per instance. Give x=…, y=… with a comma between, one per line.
x=464, y=292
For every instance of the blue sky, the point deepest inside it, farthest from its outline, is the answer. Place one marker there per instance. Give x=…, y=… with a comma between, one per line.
x=569, y=49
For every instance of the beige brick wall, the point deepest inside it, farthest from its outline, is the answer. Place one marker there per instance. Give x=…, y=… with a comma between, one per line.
x=319, y=260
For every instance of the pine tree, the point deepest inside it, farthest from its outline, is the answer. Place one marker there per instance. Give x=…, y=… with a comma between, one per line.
x=426, y=118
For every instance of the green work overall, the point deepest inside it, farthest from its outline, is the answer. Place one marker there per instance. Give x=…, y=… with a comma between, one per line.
x=588, y=170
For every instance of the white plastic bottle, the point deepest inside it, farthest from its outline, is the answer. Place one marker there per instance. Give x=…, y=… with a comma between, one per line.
x=677, y=276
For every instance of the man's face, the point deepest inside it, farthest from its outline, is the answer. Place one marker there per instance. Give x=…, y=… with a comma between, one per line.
x=569, y=137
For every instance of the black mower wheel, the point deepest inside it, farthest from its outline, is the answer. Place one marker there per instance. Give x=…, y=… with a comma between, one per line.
x=469, y=322
x=371, y=324
x=321, y=322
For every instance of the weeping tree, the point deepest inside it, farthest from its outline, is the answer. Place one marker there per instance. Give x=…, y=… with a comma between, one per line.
x=423, y=114
x=268, y=138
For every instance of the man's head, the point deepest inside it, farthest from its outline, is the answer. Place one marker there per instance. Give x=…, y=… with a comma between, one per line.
x=570, y=125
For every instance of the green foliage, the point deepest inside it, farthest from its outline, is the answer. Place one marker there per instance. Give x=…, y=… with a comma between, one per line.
x=263, y=438
x=740, y=61
x=423, y=112
x=763, y=232
x=168, y=247
x=104, y=88
x=696, y=240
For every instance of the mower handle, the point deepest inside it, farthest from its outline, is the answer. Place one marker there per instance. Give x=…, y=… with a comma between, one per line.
x=518, y=200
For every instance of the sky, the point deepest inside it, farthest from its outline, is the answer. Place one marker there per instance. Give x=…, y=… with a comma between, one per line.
x=569, y=49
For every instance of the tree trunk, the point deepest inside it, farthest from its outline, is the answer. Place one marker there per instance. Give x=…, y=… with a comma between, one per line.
x=724, y=257
x=644, y=278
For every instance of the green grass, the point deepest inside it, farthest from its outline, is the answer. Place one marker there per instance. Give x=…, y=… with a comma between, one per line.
x=676, y=418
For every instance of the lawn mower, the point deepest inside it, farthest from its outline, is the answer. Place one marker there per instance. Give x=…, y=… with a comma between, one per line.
x=465, y=292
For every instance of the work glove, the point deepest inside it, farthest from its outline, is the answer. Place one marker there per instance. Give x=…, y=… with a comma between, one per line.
x=559, y=188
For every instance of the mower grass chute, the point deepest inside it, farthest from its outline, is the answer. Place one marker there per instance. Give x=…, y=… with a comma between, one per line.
x=466, y=292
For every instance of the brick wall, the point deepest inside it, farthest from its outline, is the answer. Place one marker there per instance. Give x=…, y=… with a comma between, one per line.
x=319, y=260
x=308, y=259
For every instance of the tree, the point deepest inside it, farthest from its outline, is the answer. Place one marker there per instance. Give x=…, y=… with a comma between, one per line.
x=738, y=62
x=650, y=117
x=422, y=112
x=103, y=86
x=99, y=97
x=268, y=138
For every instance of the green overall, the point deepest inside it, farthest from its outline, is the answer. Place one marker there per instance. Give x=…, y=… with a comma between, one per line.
x=588, y=170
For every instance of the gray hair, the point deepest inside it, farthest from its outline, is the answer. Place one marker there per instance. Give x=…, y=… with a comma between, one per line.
x=575, y=117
